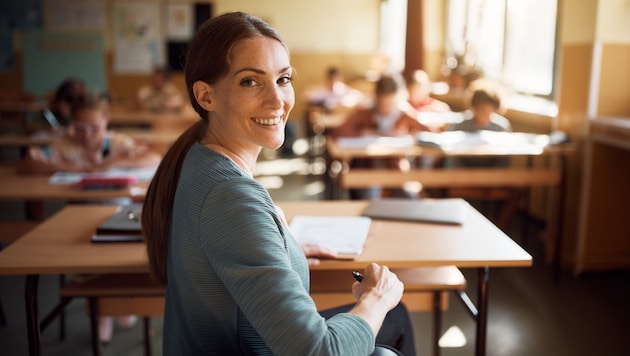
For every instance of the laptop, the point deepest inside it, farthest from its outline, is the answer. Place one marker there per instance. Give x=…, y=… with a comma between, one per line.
x=123, y=226
x=442, y=211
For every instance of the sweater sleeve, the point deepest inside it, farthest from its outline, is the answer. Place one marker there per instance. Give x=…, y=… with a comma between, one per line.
x=265, y=272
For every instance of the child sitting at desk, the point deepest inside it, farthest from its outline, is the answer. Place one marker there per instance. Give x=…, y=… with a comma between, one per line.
x=87, y=146
x=419, y=89
x=486, y=100
x=160, y=94
x=390, y=115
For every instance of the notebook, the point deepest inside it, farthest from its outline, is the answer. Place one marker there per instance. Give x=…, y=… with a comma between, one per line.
x=345, y=235
x=123, y=226
x=442, y=211
x=105, y=182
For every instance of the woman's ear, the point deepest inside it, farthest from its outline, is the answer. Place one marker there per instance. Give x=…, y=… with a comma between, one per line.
x=204, y=95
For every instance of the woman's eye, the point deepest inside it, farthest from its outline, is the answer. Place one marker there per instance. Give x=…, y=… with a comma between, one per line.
x=285, y=80
x=248, y=82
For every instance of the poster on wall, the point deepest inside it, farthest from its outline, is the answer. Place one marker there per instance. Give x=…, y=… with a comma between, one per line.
x=72, y=15
x=179, y=22
x=137, y=42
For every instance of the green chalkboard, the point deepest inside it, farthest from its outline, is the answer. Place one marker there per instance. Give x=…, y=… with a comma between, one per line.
x=49, y=58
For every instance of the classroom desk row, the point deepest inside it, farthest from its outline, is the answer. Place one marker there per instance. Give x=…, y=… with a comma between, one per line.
x=61, y=245
x=125, y=116
x=157, y=139
x=342, y=176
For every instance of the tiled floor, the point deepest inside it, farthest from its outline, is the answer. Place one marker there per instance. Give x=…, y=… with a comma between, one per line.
x=529, y=314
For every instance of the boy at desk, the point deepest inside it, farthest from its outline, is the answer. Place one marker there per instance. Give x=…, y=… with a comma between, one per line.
x=87, y=145
x=486, y=100
x=390, y=115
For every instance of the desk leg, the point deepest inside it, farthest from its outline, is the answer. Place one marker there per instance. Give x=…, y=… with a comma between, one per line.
x=32, y=315
x=557, y=252
x=482, y=310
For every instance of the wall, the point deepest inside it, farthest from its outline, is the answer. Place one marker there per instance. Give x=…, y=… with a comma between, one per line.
x=318, y=33
x=434, y=17
x=594, y=80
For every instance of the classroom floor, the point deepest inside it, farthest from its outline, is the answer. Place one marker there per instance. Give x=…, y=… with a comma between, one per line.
x=528, y=313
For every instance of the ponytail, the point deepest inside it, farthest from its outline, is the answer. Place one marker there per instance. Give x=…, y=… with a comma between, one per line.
x=158, y=203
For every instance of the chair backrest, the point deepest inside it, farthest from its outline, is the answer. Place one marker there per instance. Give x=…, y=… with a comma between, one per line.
x=384, y=350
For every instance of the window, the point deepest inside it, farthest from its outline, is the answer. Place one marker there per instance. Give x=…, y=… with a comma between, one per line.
x=393, y=28
x=512, y=41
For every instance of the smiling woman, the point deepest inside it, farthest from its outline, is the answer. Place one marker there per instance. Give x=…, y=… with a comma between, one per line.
x=237, y=282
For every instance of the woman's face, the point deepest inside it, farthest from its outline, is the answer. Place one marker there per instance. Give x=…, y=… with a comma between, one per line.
x=251, y=105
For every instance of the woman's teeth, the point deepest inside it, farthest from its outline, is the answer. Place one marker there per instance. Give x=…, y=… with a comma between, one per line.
x=269, y=122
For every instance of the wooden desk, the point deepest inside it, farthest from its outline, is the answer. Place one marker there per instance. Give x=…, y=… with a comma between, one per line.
x=16, y=141
x=61, y=245
x=121, y=115
x=37, y=188
x=14, y=113
x=158, y=140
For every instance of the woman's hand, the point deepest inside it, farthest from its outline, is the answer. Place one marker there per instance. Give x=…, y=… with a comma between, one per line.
x=314, y=253
x=381, y=283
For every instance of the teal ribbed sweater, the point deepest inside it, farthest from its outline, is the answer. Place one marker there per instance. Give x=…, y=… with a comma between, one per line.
x=237, y=279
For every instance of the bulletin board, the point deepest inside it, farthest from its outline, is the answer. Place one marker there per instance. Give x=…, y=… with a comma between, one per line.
x=49, y=58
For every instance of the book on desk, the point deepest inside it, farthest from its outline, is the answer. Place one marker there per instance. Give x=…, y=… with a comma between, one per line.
x=123, y=226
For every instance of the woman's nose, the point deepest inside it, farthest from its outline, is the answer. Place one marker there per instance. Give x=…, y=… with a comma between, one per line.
x=274, y=96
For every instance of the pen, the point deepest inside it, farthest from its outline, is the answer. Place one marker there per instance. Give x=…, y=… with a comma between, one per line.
x=358, y=276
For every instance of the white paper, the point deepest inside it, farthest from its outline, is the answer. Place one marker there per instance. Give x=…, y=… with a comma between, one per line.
x=345, y=235
x=365, y=141
x=142, y=174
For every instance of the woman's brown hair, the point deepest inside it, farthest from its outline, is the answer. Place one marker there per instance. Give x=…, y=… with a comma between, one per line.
x=208, y=60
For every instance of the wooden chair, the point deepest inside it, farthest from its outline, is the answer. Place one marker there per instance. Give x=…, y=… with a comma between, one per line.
x=117, y=295
x=426, y=289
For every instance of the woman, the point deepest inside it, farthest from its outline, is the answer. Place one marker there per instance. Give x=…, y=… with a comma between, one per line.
x=236, y=280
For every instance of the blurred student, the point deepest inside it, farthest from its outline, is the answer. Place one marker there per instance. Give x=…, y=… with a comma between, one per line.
x=419, y=90
x=486, y=100
x=160, y=94
x=86, y=145
x=334, y=93
x=56, y=115
x=390, y=115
